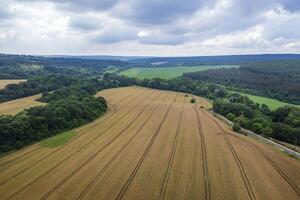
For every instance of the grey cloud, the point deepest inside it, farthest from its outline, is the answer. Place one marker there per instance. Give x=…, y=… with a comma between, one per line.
x=81, y=5
x=4, y=12
x=157, y=12
x=85, y=23
x=291, y=5
x=163, y=39
x=115, y=35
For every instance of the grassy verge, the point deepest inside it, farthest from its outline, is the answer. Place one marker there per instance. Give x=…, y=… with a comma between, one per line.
x=58, y=140
x=167, y=72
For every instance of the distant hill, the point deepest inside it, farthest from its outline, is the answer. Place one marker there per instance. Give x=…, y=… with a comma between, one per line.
x=210, y=60
x=100, y=57
x=25, y=66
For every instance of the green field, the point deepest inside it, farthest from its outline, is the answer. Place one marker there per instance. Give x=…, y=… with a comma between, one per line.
x=167, y=72
x=58, y=139
x=272, y=103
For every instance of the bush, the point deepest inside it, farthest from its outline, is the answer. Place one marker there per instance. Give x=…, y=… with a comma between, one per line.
x=236, y=127
x=230, y=116
x=193, y=100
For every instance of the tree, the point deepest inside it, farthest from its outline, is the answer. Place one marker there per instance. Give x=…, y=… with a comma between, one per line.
x=230, y=116
x=236, y=127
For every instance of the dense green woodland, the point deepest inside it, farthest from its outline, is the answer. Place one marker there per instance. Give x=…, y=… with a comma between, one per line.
x=278, y=80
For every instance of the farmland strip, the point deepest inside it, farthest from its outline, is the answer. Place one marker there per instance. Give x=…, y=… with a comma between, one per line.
x=94, y=155
x=204, y=157
x=94, y=180
x=170, y=164
x=71, y=155
x=140, y=162
x=241, y=169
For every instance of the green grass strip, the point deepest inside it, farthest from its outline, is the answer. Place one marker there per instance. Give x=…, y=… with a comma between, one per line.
x=58, y=139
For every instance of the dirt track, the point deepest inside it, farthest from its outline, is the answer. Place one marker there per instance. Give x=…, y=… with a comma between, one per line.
x=151, y=145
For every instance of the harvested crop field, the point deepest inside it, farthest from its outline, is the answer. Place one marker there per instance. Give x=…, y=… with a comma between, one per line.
x=4, y=83
x=15, y=106
x=151, y=144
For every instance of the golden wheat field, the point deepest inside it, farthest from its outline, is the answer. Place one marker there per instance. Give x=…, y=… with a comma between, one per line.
x=14, y=106
x=151, y=144
x=4, y=83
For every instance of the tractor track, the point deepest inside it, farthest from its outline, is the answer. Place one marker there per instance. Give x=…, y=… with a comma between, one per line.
x=241, y=170
x=266, y=156
x=99, y=174
x=69, y=156
x=282, y=174
x=204, y=157
x=39, y=147
x=96, y=153
x=140, y=162
x=53, y=152
x=171, y=160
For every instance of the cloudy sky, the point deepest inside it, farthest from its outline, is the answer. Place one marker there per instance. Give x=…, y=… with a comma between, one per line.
x=149, y=27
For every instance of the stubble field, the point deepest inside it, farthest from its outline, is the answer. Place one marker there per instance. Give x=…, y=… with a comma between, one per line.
x=4, y=83
x=14, y=106
x=151, y=144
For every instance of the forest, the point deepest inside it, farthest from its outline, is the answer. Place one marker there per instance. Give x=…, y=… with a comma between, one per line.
x=278, y=80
